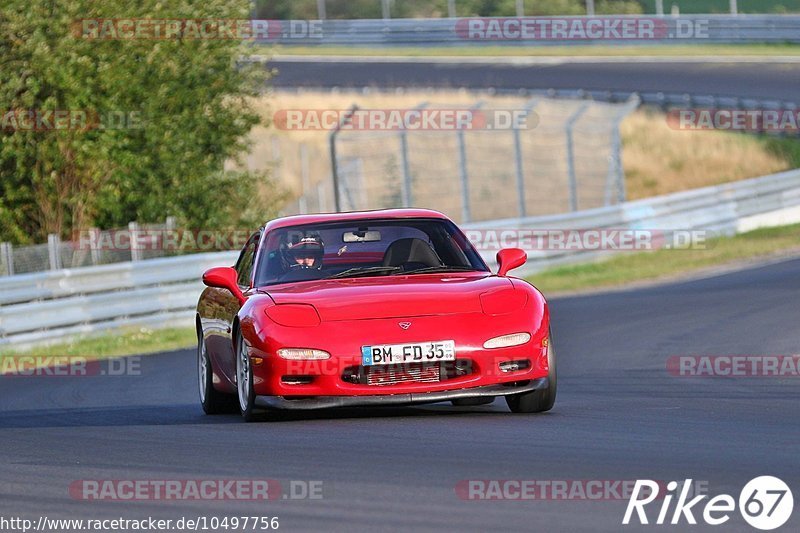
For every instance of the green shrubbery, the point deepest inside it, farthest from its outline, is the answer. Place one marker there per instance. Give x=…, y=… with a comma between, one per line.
x=191, y=114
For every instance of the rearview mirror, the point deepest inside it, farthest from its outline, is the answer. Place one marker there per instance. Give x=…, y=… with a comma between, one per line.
x=361, y=236
x=510, y=258
x=224, y=278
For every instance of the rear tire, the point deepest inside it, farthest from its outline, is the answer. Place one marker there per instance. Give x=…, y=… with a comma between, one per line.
x=213, y=401
x=244, y=379
x=540, y=400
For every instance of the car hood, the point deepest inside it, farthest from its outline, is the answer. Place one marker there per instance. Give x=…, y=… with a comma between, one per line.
x=390, y=297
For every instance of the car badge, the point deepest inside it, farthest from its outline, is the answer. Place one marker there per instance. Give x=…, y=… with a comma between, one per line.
x=405, y=325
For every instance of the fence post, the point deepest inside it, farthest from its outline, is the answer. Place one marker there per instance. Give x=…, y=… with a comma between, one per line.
x=321, y=11
x=7, y=255
x=94, y=245
x=734, y=8
x=407, y=196
x=451, y=8
x=337, y=202
x=520, y=8
x=573, y=180
x=466, y=210
x=305, y=179
x=406, y=186
x=133, y=230
x=386, y=9
x=660, y=7
x=322, y=205
x=522, y=204
x=53, y=250
x=589, y=8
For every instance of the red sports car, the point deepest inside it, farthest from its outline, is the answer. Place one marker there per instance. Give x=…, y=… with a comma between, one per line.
x=372, y=308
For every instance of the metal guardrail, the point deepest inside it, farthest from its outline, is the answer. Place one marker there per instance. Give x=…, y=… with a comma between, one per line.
x=51, y=306
x=544, y=31
x=721, y=210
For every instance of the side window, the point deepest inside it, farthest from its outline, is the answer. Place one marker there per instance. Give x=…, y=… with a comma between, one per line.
x=244, y=266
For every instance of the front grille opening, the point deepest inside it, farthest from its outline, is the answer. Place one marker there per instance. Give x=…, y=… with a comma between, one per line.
x=407, y=373
x=297, y=380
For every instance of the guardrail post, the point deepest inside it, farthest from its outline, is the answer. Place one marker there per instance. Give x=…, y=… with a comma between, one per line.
x=133, y=230
x=521, y=203
x=54, y=251
x=7, y=256
x=573, y=180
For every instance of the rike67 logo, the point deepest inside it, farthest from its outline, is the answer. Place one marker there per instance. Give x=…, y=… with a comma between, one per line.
x=766, y=503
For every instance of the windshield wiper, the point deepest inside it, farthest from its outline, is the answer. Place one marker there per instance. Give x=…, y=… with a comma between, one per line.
x=441, y=268
x=363, y=271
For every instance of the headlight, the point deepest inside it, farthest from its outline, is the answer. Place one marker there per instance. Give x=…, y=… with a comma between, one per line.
x=294, y=315
x=505, y=341
x=303, y=354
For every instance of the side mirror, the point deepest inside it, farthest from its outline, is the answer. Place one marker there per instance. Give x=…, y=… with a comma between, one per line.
x=224, y=278
x=510, y=258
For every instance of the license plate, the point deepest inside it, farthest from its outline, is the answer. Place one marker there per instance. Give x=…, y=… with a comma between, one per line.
x=422, y=352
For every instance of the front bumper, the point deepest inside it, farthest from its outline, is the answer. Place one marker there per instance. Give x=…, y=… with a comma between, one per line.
x=323, y=402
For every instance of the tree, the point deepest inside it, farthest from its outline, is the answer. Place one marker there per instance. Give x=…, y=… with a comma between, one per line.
x=165, y=117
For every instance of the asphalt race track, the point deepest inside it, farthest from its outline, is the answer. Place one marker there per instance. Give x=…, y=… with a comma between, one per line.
x=746, y=80
x=619, y=416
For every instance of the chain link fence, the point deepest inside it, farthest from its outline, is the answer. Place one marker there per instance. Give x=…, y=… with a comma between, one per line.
x=567, y=157
x=91, y=247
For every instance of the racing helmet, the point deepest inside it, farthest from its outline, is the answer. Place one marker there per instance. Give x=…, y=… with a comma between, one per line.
x=305, y=252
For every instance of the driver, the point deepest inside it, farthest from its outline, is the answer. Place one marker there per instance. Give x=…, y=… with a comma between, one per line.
x=306, y=253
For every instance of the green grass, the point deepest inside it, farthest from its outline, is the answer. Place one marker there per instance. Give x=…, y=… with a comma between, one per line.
x=535, y=51
x=642, y=266
x=118, y=343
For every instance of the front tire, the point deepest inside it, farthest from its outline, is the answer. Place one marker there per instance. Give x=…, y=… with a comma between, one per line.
x=213, y=401
x=541, y=400
x=244, y=379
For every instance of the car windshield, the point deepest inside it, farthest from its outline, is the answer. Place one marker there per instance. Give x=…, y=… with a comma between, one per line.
x=364, y=249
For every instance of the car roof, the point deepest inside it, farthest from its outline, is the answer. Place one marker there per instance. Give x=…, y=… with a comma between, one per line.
x=380, y=214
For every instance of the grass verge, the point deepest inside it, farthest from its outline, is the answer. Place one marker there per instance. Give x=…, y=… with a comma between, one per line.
x=539, y=51
x=118, y=343
x=643, y=266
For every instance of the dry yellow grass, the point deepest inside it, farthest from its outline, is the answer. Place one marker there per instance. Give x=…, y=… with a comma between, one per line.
x=661, y=160
x=657, y=159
